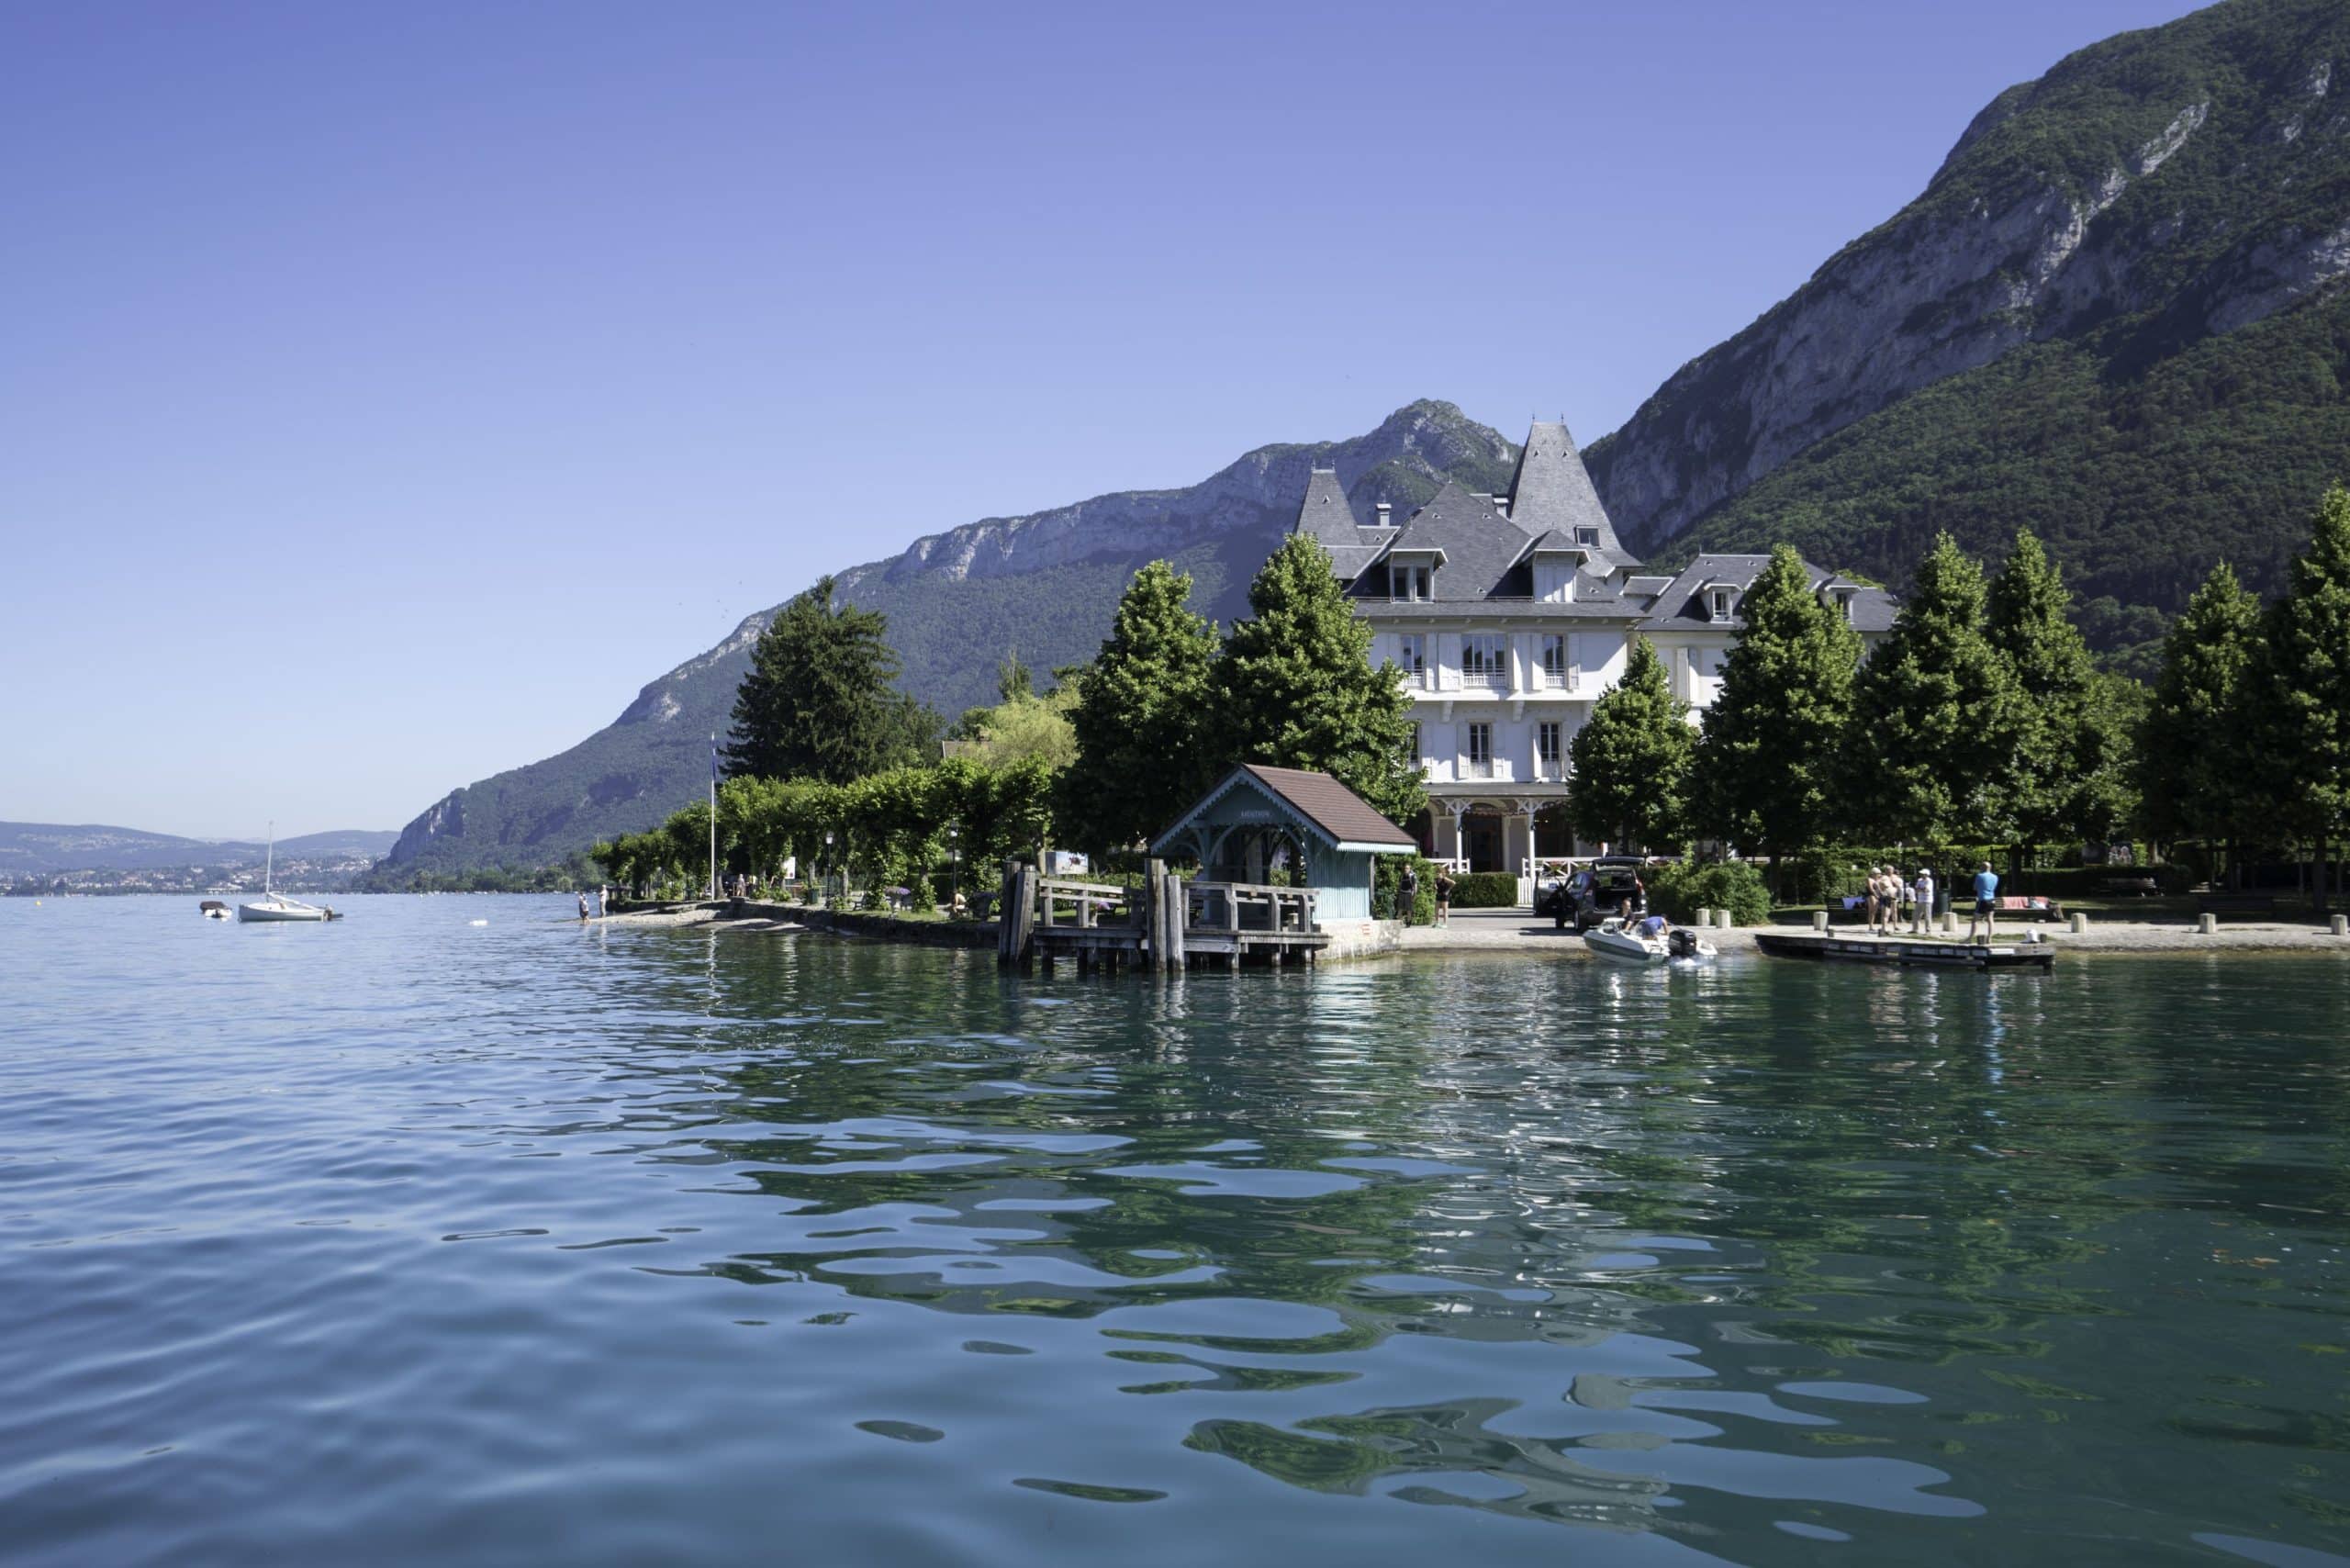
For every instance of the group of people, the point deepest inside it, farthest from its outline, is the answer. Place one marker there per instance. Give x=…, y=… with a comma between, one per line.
x=1892, y=899
x=1407, y=892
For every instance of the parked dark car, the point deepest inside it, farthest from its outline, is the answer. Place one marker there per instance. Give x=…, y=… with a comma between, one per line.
x=1594, y=893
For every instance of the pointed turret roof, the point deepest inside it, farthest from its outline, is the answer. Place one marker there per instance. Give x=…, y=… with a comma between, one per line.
x=1328, y=518
x=1551, y=489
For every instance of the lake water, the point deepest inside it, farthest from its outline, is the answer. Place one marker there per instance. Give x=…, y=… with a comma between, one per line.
x=411, y=1238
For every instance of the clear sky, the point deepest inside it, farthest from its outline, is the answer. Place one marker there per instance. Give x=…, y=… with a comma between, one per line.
x=388, y=391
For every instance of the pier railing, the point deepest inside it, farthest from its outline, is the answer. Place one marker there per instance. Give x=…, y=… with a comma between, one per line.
x=1166, y=923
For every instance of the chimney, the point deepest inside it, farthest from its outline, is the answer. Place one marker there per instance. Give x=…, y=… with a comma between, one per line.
x=1385, y=508
x=1500, y=503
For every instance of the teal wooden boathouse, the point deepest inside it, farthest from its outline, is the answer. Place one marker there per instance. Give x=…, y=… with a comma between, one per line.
x=1328, y=837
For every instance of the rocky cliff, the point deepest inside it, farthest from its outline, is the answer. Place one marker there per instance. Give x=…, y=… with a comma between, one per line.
x=2176, y=182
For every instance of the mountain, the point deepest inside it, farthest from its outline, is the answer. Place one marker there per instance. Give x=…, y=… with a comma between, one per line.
x=39, y=848
x=1044, y=585
x=2115, y=315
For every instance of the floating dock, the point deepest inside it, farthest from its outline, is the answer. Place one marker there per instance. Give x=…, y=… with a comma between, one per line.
x=1908, y=954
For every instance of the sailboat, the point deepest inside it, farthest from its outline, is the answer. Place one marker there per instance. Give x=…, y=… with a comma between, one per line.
x=275, y=906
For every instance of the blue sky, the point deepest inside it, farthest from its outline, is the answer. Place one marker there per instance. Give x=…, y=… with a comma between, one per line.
x=389, y=391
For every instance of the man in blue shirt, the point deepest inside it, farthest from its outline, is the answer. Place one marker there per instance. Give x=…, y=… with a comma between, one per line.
x=1986, y=900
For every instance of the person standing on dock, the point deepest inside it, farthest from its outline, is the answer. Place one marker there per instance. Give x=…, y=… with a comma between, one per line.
x=1444, y=897
x=1922, y=890
x=1407, y=892
x=1986, y=903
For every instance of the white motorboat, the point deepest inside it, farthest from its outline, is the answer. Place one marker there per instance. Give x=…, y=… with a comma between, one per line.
x=1614, y=941
x=274, y=906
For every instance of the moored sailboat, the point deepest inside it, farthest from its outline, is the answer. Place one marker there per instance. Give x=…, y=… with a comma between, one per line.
x=275, y=906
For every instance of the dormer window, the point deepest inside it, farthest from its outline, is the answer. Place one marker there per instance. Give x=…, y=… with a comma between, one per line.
x=1721, y=601
x=1588, y=537
x=1408, y=582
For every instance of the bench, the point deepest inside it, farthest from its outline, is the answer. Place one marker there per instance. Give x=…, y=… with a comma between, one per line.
x=2135, y=887
x=2235, y=903
x=2031, y=906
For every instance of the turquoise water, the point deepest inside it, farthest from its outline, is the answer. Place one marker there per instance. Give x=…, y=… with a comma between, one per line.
x=410, y=1239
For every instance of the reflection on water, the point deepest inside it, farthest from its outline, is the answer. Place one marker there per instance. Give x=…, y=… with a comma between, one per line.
x=612, y=1245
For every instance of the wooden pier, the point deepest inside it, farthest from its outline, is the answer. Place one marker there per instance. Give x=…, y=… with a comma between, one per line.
x=1907, y=955
x=1167, y=925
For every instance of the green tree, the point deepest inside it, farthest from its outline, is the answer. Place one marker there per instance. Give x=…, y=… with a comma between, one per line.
x=2192, y=774
x=2301, y=687
x=2072, y=750
x=1937, y=721
x=1138, y=717
x=817, y=701
x=1765, y=769
x=1295, y=687
x=1631, y=759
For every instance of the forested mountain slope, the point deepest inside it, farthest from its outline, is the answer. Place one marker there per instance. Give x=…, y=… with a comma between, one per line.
x=2114, y=316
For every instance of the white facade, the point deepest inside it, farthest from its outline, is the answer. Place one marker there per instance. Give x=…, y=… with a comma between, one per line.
x=1508, y=617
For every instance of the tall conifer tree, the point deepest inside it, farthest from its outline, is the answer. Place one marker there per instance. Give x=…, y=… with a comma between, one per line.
x=1631, y=759
x=817, y=701
x=2067, y=779
x=2192, y=774
x=1937, y=723
x=2301, y=689
x=1296, y=687
x=1140, y=710
x=1765, y=769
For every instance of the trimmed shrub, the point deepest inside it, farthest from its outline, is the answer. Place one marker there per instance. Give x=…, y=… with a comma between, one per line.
x=1484, y=890
x=1679, y=891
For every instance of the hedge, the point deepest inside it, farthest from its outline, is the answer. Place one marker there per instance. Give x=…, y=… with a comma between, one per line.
x=1484, y=890
x=1388, y=872
x=1679, y=891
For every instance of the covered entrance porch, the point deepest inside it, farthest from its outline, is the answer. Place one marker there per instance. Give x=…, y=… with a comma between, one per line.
x=1511, y=834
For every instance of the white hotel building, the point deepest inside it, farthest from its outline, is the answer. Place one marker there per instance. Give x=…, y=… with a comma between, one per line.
x=1508, y=616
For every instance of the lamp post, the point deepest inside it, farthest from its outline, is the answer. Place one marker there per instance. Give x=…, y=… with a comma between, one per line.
x=828, y=865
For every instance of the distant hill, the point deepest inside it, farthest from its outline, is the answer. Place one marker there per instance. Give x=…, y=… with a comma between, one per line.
x=40, y=848
x=1044, y=584
x=2114, y=316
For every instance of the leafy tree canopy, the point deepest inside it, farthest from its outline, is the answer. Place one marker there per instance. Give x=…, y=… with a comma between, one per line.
x=1766, y=765
x=1296, y=687
x=2301, y=708
x=1138, y=718
x=2192, y=772
x=1631, y=759
x=1937, y=720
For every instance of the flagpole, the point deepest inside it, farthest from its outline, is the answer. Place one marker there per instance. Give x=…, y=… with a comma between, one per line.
x=714, y=816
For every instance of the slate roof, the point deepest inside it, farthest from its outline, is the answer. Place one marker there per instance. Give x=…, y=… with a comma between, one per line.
x=1326, y=806
x=1553, y=489
x=1484, y=551
x=1679, y=605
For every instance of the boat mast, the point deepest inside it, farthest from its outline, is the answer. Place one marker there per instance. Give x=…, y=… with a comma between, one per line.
x=269, y=858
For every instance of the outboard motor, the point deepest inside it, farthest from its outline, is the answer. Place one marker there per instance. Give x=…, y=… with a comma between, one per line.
x=1681, y=944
